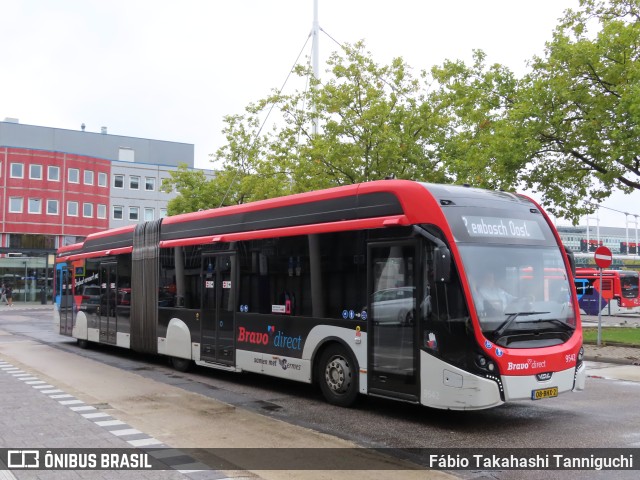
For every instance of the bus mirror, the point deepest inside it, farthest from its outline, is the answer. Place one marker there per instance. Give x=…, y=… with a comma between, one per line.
x=442, y=264
x=572, y=261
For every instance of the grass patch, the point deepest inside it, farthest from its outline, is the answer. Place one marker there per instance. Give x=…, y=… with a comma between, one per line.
x=613, y=335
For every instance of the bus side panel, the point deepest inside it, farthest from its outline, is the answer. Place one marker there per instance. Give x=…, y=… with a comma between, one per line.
x=189, y=317
x=177, y=342
x=80, y=327
x=274, y=365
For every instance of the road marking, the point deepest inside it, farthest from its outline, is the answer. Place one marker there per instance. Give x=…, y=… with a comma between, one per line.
x=109, y=423
x=126, y=431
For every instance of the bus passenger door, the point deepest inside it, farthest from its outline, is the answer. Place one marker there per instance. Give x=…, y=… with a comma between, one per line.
x=108, y=299
x=392, y=290
x=65, y=300
x=217, y=336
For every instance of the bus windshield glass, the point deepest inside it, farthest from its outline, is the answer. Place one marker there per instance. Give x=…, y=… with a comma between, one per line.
x=522, y=294
x=629, y=284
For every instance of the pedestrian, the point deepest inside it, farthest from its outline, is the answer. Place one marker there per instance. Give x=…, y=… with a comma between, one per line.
x=9, y=293
x=3, y=294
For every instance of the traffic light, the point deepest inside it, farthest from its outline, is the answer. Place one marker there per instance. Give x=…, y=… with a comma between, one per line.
x=633, y=248
x=623, y=248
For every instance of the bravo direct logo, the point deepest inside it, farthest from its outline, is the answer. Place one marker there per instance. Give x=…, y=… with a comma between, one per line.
x=277, y=339
x=529, y=365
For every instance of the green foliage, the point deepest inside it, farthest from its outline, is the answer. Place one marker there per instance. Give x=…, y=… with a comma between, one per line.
x=568, y=129
x=613, y=335
x=581, y=106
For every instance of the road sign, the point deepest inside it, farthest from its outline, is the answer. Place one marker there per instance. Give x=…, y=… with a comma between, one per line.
x=603, y=257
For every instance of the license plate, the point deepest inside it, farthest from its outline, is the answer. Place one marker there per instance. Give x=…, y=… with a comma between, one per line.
x=544, y=393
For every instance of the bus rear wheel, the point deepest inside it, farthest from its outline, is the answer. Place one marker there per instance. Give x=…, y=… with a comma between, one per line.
x=181, y=364
x=338, y=376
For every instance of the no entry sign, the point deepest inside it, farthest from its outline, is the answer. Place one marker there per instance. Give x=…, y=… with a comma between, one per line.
x=603, y=257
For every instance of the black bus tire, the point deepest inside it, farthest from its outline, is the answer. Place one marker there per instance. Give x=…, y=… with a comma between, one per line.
x=181, y=364
x=337, y=375
x=84, y=344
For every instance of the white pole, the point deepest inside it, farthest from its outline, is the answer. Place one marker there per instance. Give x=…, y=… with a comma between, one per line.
x=315, y=55
x=598, y=226
x=636, y=217
x=599, y=340
x=626, y=228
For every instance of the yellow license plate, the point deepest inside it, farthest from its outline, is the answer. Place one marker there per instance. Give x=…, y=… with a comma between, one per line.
x=544, y=393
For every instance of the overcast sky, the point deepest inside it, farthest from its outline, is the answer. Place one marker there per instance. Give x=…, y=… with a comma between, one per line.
x=172, y=70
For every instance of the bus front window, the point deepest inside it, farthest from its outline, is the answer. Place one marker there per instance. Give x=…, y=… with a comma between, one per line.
x=521, y=294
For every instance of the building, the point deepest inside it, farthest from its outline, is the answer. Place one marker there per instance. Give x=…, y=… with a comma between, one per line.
x=621, y=241
x=57, y=186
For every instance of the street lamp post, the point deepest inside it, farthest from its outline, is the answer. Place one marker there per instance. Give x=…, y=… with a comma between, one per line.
x=25, y=280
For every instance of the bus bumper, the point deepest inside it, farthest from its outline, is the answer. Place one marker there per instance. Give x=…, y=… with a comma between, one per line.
x=581, y=378
x=525, y=386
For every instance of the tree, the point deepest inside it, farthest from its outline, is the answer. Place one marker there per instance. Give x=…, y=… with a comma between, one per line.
x=569, y=129
x=580, y=108
x=471, y=133
x=370, y=127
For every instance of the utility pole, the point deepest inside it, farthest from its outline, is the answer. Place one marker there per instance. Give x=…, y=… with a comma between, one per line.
x=315, y=55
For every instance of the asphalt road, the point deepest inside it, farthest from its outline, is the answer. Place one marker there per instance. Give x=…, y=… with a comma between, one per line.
x=603, y=416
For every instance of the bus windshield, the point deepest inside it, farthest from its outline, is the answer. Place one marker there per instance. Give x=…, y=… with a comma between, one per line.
x=629, y=284
x=521, y=294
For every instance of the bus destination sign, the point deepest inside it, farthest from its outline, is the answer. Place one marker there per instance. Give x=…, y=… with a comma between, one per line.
x=507, y=228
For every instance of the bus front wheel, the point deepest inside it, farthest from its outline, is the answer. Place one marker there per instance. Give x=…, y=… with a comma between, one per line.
x=338, y=376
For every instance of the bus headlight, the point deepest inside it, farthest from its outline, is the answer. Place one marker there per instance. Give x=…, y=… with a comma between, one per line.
x=484, y=364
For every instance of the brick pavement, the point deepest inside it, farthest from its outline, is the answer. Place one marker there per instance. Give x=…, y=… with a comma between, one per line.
x=35, y=414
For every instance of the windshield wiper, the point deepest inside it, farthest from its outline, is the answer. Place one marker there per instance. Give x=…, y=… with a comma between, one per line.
x=511, y=318
x=552, y=320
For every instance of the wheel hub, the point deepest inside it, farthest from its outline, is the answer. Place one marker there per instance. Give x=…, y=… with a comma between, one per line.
x=338, y=375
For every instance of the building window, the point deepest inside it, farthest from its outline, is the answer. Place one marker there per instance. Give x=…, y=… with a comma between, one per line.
x=17, y=170
x=134, y=213
x=29, y=240
x=35, y=205
x=102, y=179
x=117, y=212
x=148, y=214
x=15, y=205
x=87, y=210
x=165, y=183
x=72, y=209
x=134, y=182
x=52, y=207
x=118, y=181
x=35, y=172
x=74, y=175
x=149, y=184
x=88, y=177
x=53, y=173
x=102, y=211
x=163, y=212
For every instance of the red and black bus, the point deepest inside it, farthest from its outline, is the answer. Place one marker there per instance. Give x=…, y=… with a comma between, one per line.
x=372, y=288
x=617, y=293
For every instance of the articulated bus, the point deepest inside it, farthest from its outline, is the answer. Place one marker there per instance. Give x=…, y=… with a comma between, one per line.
x=618, y=293
x=370, y=289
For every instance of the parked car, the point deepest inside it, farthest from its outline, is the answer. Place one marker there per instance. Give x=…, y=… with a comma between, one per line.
x=90, y=298
x=394, y=306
